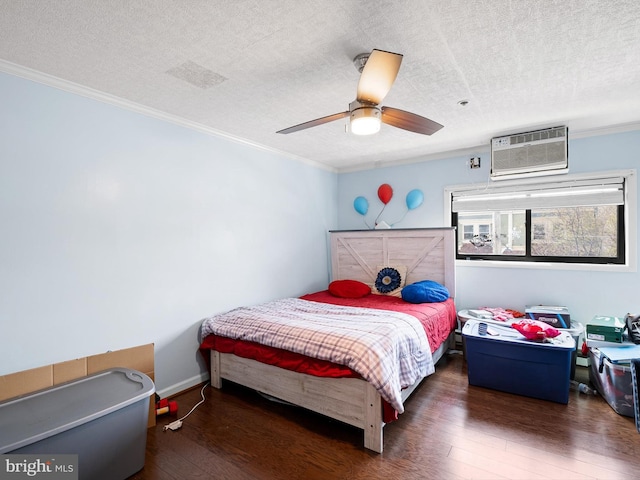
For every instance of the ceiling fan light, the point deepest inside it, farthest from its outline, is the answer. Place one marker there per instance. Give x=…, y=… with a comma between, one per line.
x=365, y=121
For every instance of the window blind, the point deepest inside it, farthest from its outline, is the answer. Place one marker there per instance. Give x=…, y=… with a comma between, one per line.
x=576, y=193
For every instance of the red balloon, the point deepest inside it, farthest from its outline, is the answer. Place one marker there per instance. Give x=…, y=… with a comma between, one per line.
x=385, y=192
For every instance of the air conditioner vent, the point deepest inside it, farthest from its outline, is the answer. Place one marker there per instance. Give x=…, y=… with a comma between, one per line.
x=541, y=152
x=558, y=132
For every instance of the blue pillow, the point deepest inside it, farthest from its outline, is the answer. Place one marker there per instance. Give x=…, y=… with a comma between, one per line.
x=426, y=291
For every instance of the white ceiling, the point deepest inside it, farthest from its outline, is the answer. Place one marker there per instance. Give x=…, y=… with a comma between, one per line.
x=247, y=68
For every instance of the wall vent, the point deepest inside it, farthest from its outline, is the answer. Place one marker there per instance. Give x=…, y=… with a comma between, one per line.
x=541, y=152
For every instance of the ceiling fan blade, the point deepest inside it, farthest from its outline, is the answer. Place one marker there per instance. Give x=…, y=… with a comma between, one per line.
x=378, y=76
x=315, y=123
x=409, y=121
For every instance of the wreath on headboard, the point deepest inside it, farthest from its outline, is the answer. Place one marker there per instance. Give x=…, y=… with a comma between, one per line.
x=388, y=280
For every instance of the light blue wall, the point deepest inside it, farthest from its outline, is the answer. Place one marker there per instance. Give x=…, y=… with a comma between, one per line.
x=119, y=229
x=586, y=293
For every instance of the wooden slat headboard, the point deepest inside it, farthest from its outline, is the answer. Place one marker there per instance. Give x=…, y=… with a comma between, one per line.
x=428, y=254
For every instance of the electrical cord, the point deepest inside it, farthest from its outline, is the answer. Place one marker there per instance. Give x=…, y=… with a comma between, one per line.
x=176, y=424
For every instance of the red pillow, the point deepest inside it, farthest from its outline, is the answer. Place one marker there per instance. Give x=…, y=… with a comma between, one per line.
x=349, y=289
x=535, y=329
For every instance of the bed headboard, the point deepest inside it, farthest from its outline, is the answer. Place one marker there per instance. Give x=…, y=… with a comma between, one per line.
x=428, y=254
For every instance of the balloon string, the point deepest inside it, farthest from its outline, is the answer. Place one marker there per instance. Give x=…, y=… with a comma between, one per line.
x=376, y=221
x=401, y=218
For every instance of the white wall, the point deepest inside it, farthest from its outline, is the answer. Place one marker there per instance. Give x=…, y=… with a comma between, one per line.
x=586, y=293
x=119, y=229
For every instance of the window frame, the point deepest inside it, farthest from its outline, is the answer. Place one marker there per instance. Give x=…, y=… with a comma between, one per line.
x=627, y=230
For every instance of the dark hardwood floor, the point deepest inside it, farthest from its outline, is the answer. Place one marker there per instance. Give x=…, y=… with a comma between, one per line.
x=450, y=430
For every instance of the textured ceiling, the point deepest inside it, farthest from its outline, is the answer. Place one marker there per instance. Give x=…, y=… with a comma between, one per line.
x=247, y=68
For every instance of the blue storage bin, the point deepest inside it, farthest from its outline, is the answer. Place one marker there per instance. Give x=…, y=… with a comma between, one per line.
x=501, y=358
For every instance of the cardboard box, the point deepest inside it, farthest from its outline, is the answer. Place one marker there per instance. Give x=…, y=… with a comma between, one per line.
x=606, y=329
x=504, y=360
x=555, y=316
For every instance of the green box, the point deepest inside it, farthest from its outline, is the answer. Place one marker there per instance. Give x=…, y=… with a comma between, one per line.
x=606, y=329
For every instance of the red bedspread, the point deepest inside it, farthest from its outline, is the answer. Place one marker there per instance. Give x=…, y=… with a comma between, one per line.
x=438, y=319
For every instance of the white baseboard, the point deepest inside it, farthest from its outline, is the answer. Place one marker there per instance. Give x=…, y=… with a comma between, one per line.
x=184, y=385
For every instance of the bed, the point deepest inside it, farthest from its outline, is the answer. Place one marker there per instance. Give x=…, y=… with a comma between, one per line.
x=348, y=395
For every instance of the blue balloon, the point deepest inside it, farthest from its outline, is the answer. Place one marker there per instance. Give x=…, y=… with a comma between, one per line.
x=361, y=205
x=414, y=199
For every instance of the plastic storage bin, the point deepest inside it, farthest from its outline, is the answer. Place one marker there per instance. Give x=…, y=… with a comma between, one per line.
x=576, y=331
x=102, y=418
x=613, y=382
x=504, y=360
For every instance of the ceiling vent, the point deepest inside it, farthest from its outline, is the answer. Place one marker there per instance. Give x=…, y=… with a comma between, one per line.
x=541, y=152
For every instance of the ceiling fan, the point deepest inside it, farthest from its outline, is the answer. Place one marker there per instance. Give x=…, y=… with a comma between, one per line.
x=379, y=70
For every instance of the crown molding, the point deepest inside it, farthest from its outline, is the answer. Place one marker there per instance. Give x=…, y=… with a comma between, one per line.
x=91, y=93
x=486, y=148
x=71, y=87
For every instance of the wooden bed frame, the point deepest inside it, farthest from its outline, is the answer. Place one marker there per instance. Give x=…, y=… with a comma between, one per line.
x=427, y=253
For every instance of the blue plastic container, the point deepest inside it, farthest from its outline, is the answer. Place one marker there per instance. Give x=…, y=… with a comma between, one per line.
x=500, y=358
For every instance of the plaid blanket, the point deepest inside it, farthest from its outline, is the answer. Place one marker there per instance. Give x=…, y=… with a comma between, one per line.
x=388, y=349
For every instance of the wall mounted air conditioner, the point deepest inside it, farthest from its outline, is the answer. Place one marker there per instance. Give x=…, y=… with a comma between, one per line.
x=541, y=152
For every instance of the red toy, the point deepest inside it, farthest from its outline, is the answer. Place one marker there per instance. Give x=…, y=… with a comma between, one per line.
x=165, y=406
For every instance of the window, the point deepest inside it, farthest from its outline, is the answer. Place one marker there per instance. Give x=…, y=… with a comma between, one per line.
x=468, y=231
x=579, y=219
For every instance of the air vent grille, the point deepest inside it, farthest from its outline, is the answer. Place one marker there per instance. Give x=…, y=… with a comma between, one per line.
x=551, y=133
